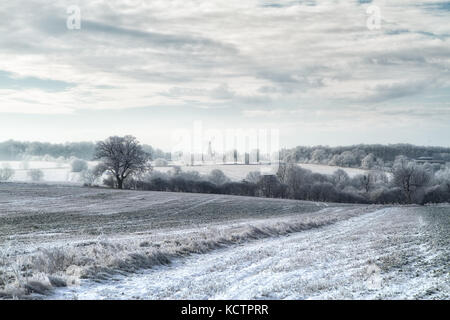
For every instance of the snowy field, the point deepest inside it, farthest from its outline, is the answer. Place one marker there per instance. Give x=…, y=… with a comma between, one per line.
x=236, y=172
x=57, y=172
x=74, y=232
x=239, y=172
x=392, y=253
x=324, y=169
x=68, y=242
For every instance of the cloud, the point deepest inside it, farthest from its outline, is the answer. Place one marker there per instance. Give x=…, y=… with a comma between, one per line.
x=278, y=59
x=10, y=81
x=383, y=92
x=55, y=27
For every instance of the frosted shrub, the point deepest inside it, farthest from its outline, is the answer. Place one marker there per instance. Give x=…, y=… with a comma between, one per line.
x=160, y=162
x=217, y=177
x=53, y=260
x=35, y=175
x=92, y=176
x=253, y=177
x=78, y=165
x=6, y=173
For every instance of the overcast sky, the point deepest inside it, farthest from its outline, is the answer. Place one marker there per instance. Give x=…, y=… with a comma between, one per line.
x=312, y=69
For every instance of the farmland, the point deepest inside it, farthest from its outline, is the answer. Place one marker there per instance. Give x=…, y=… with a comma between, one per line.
x=108, y=244
x=363, y=257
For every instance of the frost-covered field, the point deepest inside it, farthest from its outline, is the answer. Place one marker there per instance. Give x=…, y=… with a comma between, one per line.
x=392, y=253
x=234, y=172
x=53, y=171
x=324, y=169
x=73, y=232
x=239, y=171
x=66, y=242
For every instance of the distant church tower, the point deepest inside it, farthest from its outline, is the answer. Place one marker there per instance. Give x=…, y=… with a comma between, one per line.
x=210, y=152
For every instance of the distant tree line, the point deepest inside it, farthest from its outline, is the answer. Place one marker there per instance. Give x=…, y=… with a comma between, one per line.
x=407, y=183
x=363, y=156
x=357, y=156
x=15, y=150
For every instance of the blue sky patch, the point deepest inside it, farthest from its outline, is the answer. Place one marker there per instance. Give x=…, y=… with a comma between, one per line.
x=8, y=81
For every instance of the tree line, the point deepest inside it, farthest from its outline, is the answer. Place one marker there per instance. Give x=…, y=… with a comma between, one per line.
x=358, y=156
x=409, y=183
x=127, y=165
x=363, y=156
x=16, y=150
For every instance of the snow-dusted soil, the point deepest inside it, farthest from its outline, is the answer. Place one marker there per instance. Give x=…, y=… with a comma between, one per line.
x=26, y=209
x=74, y=232
x=53, y=171
x=392, y=253
x=109, y=244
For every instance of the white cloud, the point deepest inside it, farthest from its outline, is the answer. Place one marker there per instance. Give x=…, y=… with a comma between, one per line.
x=279, y=59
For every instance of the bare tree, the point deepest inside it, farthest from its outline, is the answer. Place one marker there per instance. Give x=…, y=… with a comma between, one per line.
x=368, y=161
x=410, y=177
x=282, y=172
x=6, y=173
x=91, y=176
x=253, y=177
x=318, y=155
x=443, y=178
x=217, y=177
x=365, y=181
x=340, y=178
x=122, y=157
x=270, y=186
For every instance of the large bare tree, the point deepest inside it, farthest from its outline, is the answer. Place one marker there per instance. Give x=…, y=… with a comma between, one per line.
x=411, y=178
x=122, y=157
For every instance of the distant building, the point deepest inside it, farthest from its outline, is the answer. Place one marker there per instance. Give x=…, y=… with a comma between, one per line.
x=210, y=152
x=423, y=160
